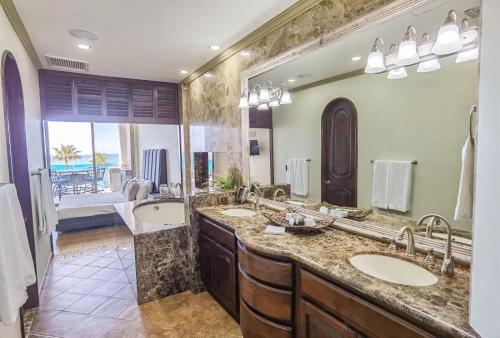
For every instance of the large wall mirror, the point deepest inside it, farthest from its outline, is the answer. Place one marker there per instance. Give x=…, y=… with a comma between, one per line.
x=391, y=141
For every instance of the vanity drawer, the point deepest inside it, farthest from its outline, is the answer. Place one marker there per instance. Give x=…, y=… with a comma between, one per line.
x=218, y=233
x=254, y=326
x=272, y=302
x=368, y=318
x=264, y=269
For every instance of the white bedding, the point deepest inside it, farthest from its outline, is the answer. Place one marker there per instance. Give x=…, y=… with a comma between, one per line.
x=85, y=205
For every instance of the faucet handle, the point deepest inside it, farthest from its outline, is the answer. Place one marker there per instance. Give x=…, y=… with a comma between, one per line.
x=430, y=258
x=392, y=246
x=448, y=267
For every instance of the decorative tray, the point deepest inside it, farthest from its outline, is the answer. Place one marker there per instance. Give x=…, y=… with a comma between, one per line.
x=352, y=213
x=279, y=218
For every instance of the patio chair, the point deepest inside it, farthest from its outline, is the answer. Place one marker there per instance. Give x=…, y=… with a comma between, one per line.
x=99, y=178
x=58, y=183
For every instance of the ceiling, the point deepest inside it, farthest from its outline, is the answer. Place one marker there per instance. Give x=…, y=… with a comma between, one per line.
x=143, y=39
x=336, y=59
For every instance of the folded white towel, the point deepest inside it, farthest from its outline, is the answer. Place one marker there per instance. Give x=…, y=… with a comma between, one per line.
x=380, y=193
x=400, y=173
x=46, y=208
x=463, y=210
x=16, y=264
x=301, y=178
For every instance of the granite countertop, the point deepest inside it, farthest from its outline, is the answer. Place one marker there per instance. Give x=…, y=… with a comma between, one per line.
x=136, y=226
x=442, y=307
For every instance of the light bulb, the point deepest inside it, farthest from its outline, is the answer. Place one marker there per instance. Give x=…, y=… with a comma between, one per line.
x=243, y=102
x=274, y=103
x=253, y=100
x=375, y=61
x=264, y=95
x=286, y=98
x=398, y=73
x=407, y=53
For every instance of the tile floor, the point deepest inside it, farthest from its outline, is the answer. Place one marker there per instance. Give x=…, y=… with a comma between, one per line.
x=90, y=291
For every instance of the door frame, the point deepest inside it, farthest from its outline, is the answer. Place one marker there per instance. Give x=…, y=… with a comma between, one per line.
x=323, y=159
x=24, y=197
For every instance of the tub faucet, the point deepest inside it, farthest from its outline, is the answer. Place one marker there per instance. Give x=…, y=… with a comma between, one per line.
x=448, y=267
x=277, y=192
x=410, y=247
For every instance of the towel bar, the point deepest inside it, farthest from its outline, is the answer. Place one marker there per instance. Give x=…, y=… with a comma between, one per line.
x=412, y=162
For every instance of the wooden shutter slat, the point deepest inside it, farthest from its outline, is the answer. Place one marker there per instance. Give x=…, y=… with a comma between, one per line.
x=58, y=96
x=89, y=97
x=117, y=98
x=143, y=101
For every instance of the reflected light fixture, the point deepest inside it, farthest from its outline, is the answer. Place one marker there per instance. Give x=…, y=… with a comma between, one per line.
x=244, y=99
x=390, y=59
x=253, y=99
x=468, y=55
x=407, y=52
x=286, y=97
x=262, y=106
x=425, y=49
x=398, y=73
x=448, y=40
x=375, y=63
x=428, y=66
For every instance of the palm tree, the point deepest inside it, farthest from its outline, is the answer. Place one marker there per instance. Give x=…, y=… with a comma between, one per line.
x=100, y=158
x=66, y=153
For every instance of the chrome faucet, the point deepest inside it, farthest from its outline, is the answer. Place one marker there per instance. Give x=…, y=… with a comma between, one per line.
x=277, y=192
x=448, y=266
x=256, y=197
x=410, y=247
x=433, y=220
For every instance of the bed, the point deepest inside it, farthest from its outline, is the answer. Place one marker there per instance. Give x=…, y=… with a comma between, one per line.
x=84, y=211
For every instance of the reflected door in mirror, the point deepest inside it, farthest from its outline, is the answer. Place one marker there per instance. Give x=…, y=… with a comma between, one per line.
x=339, y=153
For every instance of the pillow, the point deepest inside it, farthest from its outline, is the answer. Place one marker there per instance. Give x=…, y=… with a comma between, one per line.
x=149, y=184
x=143, y=191
x=131, y=190
x=124, y=185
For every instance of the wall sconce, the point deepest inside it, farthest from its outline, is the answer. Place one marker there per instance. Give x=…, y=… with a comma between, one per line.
x=375, y=62
x=448, y=40
x=407, y=52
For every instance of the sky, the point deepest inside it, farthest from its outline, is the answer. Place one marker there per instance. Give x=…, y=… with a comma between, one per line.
x=79, y=135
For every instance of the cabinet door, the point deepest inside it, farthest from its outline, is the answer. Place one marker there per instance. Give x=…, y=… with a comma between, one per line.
x=224, y=276
x=206, y=262
x=315, y=323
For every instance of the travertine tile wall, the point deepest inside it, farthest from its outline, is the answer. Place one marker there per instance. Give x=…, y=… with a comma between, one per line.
x=214, y=102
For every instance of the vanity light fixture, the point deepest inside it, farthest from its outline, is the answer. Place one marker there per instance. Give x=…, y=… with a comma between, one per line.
x=398, y=73
x=425, y=49
x=375, y=63
x=244, y=99
x=407, y=51
x=286, y=97
x=274, y=103
x=253, y=99
x=390, y=59
x=262, y=106
x=448, y=40
x=468, y=55
x=468, y=35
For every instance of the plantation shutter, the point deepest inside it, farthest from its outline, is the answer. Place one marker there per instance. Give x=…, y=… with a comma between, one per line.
x=167, y=104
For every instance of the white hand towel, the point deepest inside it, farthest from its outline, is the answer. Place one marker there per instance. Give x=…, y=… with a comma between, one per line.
x=301, y=178
x=400, y=174
x=46, y=209
x=380, y=193
x=463, y=210
x=16, y=264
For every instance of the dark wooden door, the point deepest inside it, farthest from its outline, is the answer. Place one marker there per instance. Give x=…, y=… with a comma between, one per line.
x=225, y=277
x=17, y=153
x=206, y=254
x=339, y=153
x=315, y=323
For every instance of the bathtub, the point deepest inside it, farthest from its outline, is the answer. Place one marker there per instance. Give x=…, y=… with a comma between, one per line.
x=171, y=212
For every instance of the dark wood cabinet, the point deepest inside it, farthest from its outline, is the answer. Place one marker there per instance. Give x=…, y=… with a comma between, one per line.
x=89, y=98
x=218, y=265
x=315, y=323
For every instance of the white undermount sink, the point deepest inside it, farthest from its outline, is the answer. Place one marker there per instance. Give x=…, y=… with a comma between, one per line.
x=238, y=213
x=393, y=270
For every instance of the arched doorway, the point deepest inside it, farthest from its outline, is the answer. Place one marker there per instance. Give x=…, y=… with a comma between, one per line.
x=17, y=151
x=339, y=153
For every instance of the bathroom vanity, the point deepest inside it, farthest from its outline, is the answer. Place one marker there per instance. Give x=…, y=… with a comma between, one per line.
x=304, y=286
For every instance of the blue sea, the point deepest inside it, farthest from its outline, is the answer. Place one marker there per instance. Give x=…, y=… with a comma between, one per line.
x=85, y=162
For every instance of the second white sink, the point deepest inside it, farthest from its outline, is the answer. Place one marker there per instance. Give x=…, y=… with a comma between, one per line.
x=238, y=213
x=393, y=270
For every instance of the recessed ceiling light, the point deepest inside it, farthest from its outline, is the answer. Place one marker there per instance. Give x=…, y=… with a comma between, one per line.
x=83, y=38
x=291, y=80
x=207, y=75
x=214, y=47
x=245, y=53
x=183, y=71
x=83, y=44
x=356, y=58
